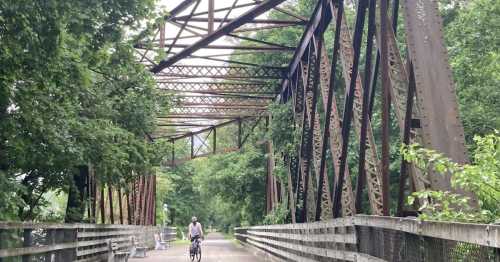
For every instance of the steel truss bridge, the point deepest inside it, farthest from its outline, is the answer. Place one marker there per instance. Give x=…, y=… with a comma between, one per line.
x=214, y=86
x=198, y=56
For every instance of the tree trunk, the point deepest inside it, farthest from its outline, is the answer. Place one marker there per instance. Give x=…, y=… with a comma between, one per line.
x=76, y=195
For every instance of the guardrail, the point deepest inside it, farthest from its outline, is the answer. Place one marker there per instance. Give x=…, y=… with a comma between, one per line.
x=374, y=238
x=72, y=242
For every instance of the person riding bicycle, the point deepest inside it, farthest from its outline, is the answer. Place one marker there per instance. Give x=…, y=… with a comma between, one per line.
x=195, y=230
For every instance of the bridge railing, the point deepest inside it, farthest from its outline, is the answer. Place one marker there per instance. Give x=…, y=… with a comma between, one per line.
x=372, y=238
x=71, y=242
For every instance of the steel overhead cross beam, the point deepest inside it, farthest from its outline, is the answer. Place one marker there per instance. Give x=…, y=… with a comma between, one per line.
x=224, y=30
x=179, y=8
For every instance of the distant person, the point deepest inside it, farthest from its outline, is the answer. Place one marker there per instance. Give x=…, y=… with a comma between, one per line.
x=195, y=230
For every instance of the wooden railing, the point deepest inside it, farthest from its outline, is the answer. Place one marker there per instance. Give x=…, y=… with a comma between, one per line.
x=72, y=242
x=374, y=238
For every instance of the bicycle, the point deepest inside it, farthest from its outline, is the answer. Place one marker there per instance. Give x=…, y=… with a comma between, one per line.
x=195, y=250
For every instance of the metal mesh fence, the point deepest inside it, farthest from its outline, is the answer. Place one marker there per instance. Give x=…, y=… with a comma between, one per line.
x=393, y=245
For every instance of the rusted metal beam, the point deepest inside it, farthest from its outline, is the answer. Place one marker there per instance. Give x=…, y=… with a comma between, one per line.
x=221, y=72
x=210, y=18
x=183, y=26
x=328, y=113
x=215, y=87
x=348, y=107
x=247, y=16
x=225, y=47
x=255, y=21
x=404, y=170
x=111, y=210
x=222, y=9
x=360, y=182
x=179, y=8
x=386, y=105
x=101, y=204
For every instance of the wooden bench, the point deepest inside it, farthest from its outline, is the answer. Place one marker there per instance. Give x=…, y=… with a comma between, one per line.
x=117, y=255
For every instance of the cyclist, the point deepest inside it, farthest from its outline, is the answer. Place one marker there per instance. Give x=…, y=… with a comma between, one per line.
x=195, y=231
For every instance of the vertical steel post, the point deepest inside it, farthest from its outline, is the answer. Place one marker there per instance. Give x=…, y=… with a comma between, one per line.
x=192, y=146
x=210, y=16
x=145, y=193
x=162, y=34
x=120, y=206
x=326, y=132
x=103, y=209
x=94, y=197
x=154, y=201
x=365, y=108
x=173, y=152
x=110, y=199
x=138, y=209
x=348, y=106
x=386, y=106
x=373, y=80
x=129, y=212
x=240, y=131
x=214, y=131
x=88, y=195
x=406, y=140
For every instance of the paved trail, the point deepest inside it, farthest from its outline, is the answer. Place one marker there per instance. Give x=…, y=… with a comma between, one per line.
x=214, y=249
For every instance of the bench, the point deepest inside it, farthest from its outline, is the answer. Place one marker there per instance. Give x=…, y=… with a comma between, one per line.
x=117, y=255
x=137, y=250
x=160, y=244
x=163, y=243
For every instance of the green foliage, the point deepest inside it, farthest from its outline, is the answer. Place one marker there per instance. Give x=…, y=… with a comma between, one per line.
x=236, y=178
x=282, y=130
x=482, y=178
x=278, y=215
x=473, y=38
x=71, y=94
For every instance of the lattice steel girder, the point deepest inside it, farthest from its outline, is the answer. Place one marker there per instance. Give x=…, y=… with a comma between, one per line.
x=200, y=117
x=223, y=87
x=224, y=47
x=255, y=21
x=335, y=137
x=373, y=174
x=222, y=72
x=224, y=30
x=221, y=101
x=217, y=88
x=215, y=111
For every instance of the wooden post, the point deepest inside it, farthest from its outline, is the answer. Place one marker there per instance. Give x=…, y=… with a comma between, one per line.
x=27, y=241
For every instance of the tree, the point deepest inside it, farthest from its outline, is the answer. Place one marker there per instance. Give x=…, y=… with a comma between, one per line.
x=473, y=38
x=71, y=94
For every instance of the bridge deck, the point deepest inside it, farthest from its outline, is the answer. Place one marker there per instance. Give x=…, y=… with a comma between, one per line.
x=214, y=249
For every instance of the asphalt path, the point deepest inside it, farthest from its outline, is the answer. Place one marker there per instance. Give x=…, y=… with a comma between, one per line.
x=214, y=249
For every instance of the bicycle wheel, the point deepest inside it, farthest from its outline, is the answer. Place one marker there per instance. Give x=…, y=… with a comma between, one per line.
x=191, y=253
x=198, y=254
